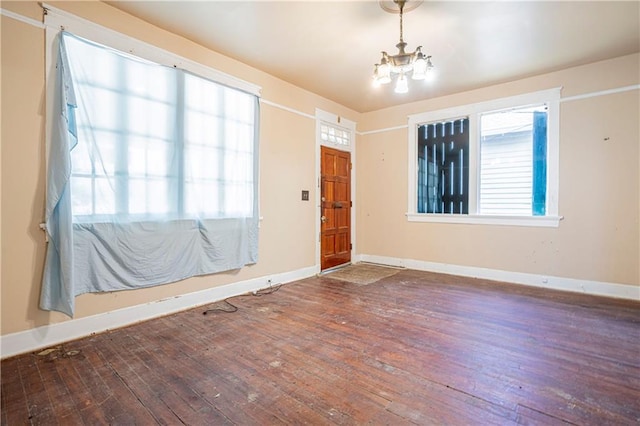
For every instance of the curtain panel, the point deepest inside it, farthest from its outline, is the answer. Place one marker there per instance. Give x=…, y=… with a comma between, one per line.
x=151, y=177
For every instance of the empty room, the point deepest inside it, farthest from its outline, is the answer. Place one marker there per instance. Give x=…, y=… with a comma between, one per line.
x=320, y=212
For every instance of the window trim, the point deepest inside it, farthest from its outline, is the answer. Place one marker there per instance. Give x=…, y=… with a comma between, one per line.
x=57, y=19
x=551, y=97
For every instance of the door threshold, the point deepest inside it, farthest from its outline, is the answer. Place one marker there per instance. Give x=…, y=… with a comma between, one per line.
x=333, y=269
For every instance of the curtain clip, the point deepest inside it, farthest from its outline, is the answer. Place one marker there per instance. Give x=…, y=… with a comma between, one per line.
x=43, y=226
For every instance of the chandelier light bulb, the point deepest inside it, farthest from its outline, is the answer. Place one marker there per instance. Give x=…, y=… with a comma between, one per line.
x=401, y=84
x=419, y=68
x=383, y=75
x=430, y=74
x=375, y=79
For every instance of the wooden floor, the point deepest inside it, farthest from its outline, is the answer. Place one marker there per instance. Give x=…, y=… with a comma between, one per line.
x=414, y=348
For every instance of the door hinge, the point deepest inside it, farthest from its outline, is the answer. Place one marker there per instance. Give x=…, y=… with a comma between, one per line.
x=350, y=203
x=350, y=246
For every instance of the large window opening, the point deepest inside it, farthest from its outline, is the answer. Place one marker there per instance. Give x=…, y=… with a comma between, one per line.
x=494, y=162
x=152, y=173
x=153, y=142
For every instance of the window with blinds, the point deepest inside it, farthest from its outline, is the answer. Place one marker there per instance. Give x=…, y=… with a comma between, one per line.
x=513, y=146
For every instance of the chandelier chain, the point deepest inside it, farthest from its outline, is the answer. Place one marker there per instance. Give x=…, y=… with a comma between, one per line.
x=401, y=3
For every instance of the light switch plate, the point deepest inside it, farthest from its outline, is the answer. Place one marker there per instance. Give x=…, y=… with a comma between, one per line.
x=305, y=195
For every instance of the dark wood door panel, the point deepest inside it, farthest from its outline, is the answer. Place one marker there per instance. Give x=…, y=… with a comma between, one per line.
x=335, y=191
x=341, y=218
x=328, y=245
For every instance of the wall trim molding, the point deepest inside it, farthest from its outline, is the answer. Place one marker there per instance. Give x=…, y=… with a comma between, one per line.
x=286, y=108
x=52, y=334
x=21, y=18
x=601, y=93
x=596, y=288
x=561, y=100
x=386, y=129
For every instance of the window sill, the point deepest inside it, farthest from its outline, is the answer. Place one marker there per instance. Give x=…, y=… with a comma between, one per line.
x=533, y=221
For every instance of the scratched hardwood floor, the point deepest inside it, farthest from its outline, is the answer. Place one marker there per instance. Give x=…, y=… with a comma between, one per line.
x=414, y=348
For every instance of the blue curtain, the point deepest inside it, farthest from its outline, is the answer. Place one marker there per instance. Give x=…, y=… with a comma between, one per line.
x=152, y=175
x=57, y=283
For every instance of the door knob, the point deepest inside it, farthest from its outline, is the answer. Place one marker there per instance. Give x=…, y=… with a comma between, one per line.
x=323, y=219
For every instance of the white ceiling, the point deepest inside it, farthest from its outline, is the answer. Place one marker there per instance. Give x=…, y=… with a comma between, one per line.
x=330, y=47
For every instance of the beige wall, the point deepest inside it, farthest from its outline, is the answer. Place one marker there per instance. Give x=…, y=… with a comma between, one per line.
x=599, y=237
x=287, y=143
x=599, y=182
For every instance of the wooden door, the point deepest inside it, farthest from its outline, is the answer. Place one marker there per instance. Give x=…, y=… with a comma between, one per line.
x=335, y=193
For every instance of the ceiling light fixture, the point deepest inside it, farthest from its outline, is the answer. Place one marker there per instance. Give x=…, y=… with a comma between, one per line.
x=414, y=63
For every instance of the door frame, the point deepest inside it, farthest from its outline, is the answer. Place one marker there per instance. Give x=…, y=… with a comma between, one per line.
x=350, y=126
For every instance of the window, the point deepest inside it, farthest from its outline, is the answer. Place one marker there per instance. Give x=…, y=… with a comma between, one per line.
x=494, y=162
x=157, y=143
x=152, y=171
x=513, y=162
x=334, y=135
x=443, y=167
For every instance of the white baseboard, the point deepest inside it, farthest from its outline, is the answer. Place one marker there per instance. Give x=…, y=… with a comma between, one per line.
x=598, y=288
x=52, y=334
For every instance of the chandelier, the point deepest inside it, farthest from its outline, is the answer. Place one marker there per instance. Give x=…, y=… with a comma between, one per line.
x=402, y=64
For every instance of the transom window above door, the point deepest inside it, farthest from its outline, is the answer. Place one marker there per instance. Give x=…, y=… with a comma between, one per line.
x=335, y=135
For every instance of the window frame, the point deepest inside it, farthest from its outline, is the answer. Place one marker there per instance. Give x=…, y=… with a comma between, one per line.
x=550, y=97
x=58, y=20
